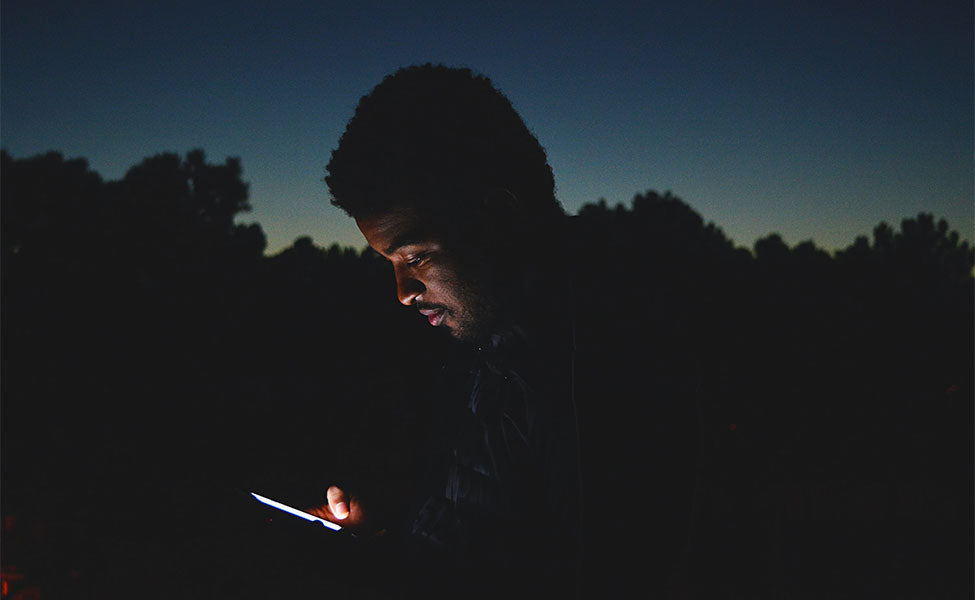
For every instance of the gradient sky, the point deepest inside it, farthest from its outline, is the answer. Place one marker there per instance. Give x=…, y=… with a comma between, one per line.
x=816, y=120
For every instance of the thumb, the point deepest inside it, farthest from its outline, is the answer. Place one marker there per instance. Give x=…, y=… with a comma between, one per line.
x=337, y=502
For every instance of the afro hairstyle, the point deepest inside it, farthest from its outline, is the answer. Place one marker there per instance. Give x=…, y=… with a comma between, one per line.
x=438, y=139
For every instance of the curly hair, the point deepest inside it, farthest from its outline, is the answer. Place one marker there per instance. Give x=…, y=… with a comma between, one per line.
x=439, y=139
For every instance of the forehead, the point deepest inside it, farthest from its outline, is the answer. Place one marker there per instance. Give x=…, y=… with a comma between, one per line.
x=400, y=226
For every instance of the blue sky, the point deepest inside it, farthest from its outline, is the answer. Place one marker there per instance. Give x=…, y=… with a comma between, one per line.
x=816, y=120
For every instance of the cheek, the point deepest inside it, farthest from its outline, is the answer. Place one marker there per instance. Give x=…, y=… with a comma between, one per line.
x=466, y=297
x=440, y=278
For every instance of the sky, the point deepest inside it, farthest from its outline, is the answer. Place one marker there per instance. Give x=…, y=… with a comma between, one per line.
x=814, y=120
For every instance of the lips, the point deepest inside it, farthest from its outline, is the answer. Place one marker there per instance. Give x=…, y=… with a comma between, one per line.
x=434, y=315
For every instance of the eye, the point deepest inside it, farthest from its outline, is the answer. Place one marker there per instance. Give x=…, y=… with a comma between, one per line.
x=417, y=260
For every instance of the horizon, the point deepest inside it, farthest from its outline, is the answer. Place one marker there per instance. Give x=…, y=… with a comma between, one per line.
x=241, y=218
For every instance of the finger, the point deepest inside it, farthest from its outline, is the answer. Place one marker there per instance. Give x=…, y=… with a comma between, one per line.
x=337, y=502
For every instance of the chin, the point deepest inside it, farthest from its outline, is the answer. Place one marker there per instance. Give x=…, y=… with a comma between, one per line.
x=463, y=334
x=460, y=335
x=480, y=338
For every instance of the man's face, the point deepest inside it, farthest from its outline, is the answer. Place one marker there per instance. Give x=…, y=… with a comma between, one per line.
x=430, y=275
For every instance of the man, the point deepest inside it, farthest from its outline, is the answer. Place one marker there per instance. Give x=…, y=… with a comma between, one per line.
x=448, y=184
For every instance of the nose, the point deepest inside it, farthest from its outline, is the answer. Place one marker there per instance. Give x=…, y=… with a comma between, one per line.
x=408, y=288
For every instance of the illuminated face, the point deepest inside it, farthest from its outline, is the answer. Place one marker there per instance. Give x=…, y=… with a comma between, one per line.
x=430, y=276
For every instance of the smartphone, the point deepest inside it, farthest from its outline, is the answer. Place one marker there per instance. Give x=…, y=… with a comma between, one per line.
x=295, y=511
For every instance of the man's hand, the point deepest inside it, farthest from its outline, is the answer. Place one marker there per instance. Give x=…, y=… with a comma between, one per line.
x=341, y=509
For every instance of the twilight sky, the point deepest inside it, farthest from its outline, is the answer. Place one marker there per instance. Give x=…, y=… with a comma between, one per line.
x=816, y=120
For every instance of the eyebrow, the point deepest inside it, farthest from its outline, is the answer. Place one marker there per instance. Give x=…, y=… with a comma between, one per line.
x=405, y=239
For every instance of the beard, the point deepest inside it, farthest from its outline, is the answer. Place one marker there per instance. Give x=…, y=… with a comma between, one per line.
x=475, y=309
x=474, y=316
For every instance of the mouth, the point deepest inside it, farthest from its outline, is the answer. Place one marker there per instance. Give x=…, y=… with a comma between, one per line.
x=434, y=315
